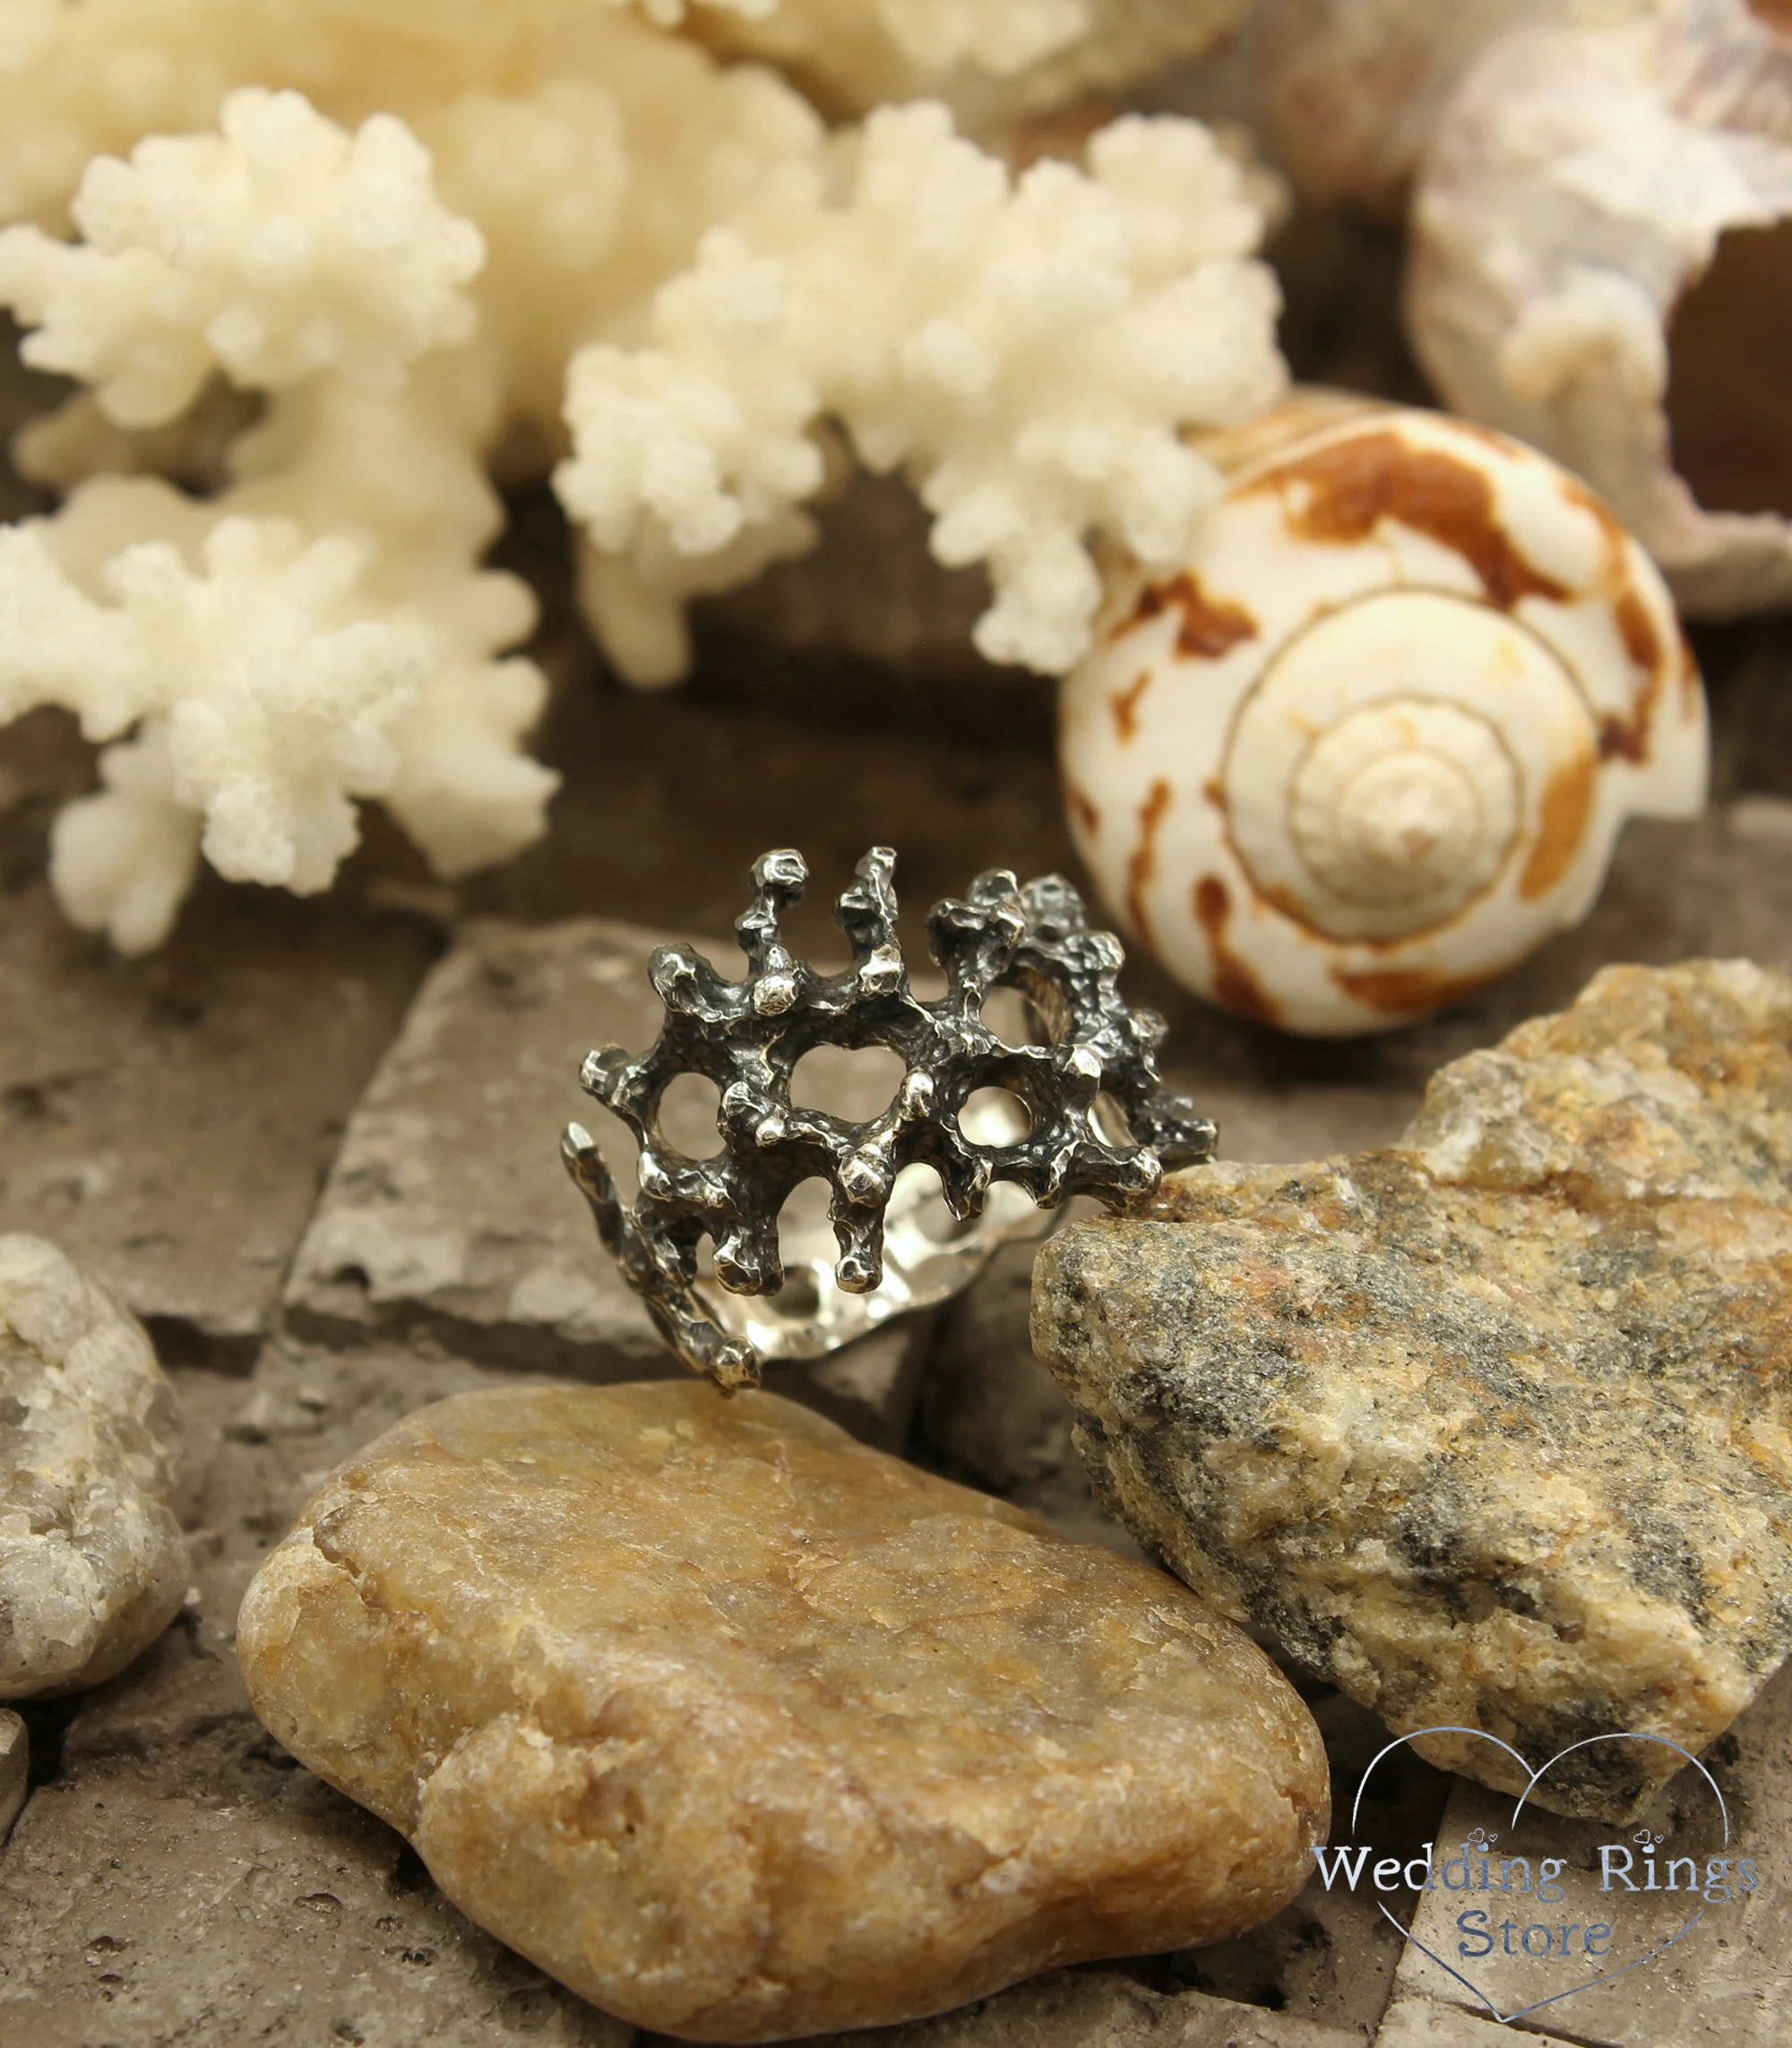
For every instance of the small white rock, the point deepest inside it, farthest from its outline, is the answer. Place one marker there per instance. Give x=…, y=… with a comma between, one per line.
x=92, y=1562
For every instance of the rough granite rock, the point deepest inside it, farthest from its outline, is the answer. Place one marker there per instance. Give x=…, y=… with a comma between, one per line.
x=15, y=1765
x=745, y=1731
x=92, y=1563
x=1494, y=1428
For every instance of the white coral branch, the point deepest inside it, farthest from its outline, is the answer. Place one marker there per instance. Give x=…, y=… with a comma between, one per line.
x=743, y=298
x=269, y=691
x=123, y=859
x=278, y=250
x=1026, y=352
x=993, y=60
x=996, y=35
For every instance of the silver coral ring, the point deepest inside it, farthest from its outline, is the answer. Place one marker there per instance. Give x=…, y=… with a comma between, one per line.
x=1088, y=1115
x=812, y=1314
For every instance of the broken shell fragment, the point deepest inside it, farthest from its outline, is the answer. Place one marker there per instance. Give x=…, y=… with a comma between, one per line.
x=1374, y=743
x=1350, y=90
x=1602, y=257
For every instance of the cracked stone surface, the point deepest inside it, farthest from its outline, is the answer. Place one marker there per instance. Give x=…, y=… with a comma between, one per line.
x=1423, y=2023
x=448, y=1208
x=15, y=1765
x=1728, y=1981
x=1491, y=1429
x=1095, y=2007
x=168, y=1121
x=92, y=1562
x=449, y=1211
x=196, y=1101
x=745, y=1730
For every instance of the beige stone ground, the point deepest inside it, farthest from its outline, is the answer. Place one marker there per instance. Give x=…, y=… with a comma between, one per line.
x=174, y=1878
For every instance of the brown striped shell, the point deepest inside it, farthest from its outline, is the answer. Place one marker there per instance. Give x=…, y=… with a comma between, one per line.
x=1373, y=743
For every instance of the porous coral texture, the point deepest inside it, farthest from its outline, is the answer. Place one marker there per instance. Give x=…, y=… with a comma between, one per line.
x=394, y=226
x=992, y=60
x=280, y=248
x=1019, y=348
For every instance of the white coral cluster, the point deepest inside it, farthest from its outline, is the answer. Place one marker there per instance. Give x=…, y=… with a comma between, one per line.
x=422, y=234
x=277, y=250
x=1022, y=348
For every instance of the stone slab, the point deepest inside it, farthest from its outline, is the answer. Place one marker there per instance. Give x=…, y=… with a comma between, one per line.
x=1424, y=2023
x=1729, y=1981
x=447, y=1208
x=1100, y=2009
x=261, y=1907
x=178, y=1879
x=168, y=1121
x=15, y=1765
x=448, y=1211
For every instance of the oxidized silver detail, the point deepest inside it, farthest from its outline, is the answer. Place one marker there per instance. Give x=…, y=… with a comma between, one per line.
x=748, y=1036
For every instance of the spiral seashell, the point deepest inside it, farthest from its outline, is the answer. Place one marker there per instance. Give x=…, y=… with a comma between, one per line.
x=1373, y=744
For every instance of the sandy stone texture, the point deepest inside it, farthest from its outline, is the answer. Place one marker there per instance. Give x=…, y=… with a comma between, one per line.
x=1099, y=2009
x=1724, y=1982
x=745, y=1730
x=1492, y=1428
x=169, y=1121
x=266, y=1910
x=92, y=1562
x=15, y=1767
x=448, y=1208
x=449, y=1211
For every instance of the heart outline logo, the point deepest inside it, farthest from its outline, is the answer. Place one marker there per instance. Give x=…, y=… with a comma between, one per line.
x=1533, y=1779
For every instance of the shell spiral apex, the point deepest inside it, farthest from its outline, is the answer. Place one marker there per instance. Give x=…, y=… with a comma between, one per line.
x=1373, y=743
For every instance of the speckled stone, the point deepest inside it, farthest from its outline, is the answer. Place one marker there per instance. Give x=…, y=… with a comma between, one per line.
x=745, y=1730
x=1493, y=1428
x=92, y=1563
